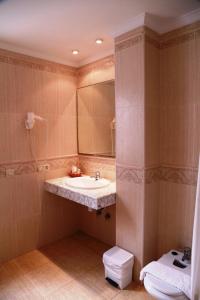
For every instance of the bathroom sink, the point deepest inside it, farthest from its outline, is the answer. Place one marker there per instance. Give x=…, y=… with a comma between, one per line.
x=87, y=191
x=87, y=182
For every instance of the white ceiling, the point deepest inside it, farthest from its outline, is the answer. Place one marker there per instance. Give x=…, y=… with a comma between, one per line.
x=52, y=28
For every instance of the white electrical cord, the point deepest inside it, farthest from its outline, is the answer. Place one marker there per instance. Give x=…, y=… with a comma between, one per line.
x=29, y=124
x=31, y=147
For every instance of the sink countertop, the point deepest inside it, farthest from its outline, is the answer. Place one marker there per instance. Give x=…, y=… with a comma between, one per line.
x=92, y=198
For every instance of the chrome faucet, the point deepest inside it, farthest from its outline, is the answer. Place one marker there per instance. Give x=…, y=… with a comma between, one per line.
x=186, y=254
x=97, y=175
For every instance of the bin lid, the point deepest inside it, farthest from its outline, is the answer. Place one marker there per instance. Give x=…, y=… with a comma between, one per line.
x=118, y=256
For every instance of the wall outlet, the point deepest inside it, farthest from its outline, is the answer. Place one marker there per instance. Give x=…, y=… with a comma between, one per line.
x=10, y=172
x=42, y=168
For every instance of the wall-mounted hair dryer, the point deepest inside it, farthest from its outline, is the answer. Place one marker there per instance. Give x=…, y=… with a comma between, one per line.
x=30, y=120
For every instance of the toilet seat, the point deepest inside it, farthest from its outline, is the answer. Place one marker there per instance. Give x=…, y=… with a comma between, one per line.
x=162, y=286
x=162, y=290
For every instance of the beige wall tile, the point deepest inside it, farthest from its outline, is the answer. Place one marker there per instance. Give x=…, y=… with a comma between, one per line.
x=25, y=234
x=152, y=135
x=49, y=90
x=167, y=133
x=180, y=103
x=58, y=218
x=176, y=212
x=152, y=104
x=97, y=225
x=152, y=74
x=179, y=139
x=151, y=221
x=8, y=244
x=129, y=220
x=130, y=146
x=7, y=206
x=130, y=135
x=27, y=217
x=129, y=74
x=48, y=94
x=7, y=87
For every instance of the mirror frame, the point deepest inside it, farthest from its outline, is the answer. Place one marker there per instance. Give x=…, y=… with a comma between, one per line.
x=88, y=154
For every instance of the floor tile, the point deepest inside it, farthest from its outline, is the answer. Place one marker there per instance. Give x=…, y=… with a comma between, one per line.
x=14, y=284
x=93, y=244
x=31, y=261
x=95, y=279
x=70, y=269
x=48, y=278
x=133, y=292
x=75, y=291
x=73, y=258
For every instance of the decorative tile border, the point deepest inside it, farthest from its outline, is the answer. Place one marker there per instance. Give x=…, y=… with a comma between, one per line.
x=138, y=35
x=107, y=167
x=177, y=175
x=129, y=43
x=130, y=34
x=137, y=175
x=89, y=165
x=152, y=175
x=35, y=63
x=103, y=63
x=130, y=174
x=180, y=35
x=28, y=167
x=15, y=58
x=175, y=37
x=179, y=39
x=142, y=34
x=2, y=172
x=152, y=38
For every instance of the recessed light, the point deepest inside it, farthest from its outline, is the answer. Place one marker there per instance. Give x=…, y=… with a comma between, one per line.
x=99, y=41
x=75, y=52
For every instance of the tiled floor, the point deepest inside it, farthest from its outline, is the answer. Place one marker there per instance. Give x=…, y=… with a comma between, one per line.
x=70, y=269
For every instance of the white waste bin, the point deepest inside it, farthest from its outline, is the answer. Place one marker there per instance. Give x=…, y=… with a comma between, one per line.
x=118, y=264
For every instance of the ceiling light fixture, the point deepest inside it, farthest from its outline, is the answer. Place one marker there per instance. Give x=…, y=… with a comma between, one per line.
x=75, y=52
x=99, y=41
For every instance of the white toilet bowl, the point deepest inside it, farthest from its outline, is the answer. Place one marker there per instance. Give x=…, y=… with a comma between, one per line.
x=161, y=290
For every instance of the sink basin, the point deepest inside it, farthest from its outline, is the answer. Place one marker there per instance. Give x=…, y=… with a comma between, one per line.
x=87, y=182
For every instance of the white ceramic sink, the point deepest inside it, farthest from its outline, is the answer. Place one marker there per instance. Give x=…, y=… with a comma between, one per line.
x=87, y=182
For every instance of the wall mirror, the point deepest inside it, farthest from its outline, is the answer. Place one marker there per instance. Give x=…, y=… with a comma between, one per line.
x=96, y=119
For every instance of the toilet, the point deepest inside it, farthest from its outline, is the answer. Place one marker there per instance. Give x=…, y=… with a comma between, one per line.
x=162, y=290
